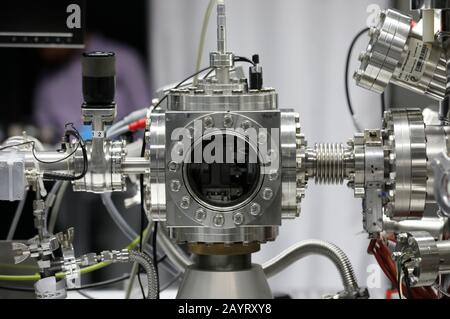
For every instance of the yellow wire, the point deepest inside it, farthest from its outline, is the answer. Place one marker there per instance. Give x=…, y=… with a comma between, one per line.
x=86, y=270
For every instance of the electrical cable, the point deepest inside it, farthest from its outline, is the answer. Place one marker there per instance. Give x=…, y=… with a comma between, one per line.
x=134, y=268
x=209, y=73
x=155, y=248
x=84, y=294
x=16, y=218
x=57, y=206
x=347, y=67
x=85, y=270
x=64, y=177
x=124, y=227
x=243, y=59
x=142, y=218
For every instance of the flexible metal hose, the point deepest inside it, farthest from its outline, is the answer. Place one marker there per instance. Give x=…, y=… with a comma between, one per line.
x=124, y=227
x=314, y=247
x=152, y=278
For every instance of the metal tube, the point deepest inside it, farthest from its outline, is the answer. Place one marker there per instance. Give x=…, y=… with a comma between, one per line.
x=314, y=247
x=221, y=28
x=135, y=165
x=50, y=161
x=444, y=256
x=437, y=227
x=152, y=278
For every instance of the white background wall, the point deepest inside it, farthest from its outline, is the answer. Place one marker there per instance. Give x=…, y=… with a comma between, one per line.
x=302, y=46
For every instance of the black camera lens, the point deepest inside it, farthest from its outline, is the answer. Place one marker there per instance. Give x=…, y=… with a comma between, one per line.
x=99, y=79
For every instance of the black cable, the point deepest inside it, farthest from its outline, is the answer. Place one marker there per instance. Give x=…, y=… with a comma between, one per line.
x=59, y=176
x=243, y=59
x=347, y=67
x=383, y=104
x=209, y=73
x=142, y=215
x=16, y=145
x=155, y=247
x=64, y=177
x=191, y=76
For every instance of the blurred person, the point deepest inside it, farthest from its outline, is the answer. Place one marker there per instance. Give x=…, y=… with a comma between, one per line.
x=58, y=94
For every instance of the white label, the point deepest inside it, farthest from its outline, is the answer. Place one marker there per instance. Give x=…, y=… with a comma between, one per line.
x=98, y=134
x=413, y=67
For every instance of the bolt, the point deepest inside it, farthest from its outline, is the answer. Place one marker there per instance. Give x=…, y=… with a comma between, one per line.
x=246, y=125
x=175, y=185
x=228, y=120
x=208, y=122
x=267, y=193
x=255, y=209
x=362, y=56
x=273, y=175
x=185, y=202
x=219, y=220
x=238, y=218
x=200, y=214
x=179, y=149
x=173, y=166
x=357, y=75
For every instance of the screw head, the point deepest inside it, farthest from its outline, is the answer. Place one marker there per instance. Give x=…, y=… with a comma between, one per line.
x=185, y=202
x=238, y=218
x=228, y=120
x=255, y=209
x=273, y=175
x=200, y=214
x=179, y=149
x=208, y=122
x=175, y=185
x=173, y=166
x=267, y=193
x=246, y=125
x=219, y=220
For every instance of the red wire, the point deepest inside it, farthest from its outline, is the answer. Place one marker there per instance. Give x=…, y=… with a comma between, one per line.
x=383, y=256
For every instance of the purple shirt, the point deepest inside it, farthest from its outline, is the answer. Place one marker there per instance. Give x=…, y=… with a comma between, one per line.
x=58, y=96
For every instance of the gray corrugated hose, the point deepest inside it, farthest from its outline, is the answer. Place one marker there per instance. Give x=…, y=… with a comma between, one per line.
x=314, y=247
x=152, y=278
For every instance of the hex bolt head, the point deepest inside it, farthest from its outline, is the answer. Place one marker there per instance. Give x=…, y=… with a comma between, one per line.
x=219, y=220
x=208, y=122
x=179, y=149
x=273, y=175
x=185, y=202
x=255, y=209
x=200, y=215
x=173, y=166
x=267, y=193
x=246, y=125
x=228, y=120
x=238, y=218
x=175, y=185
